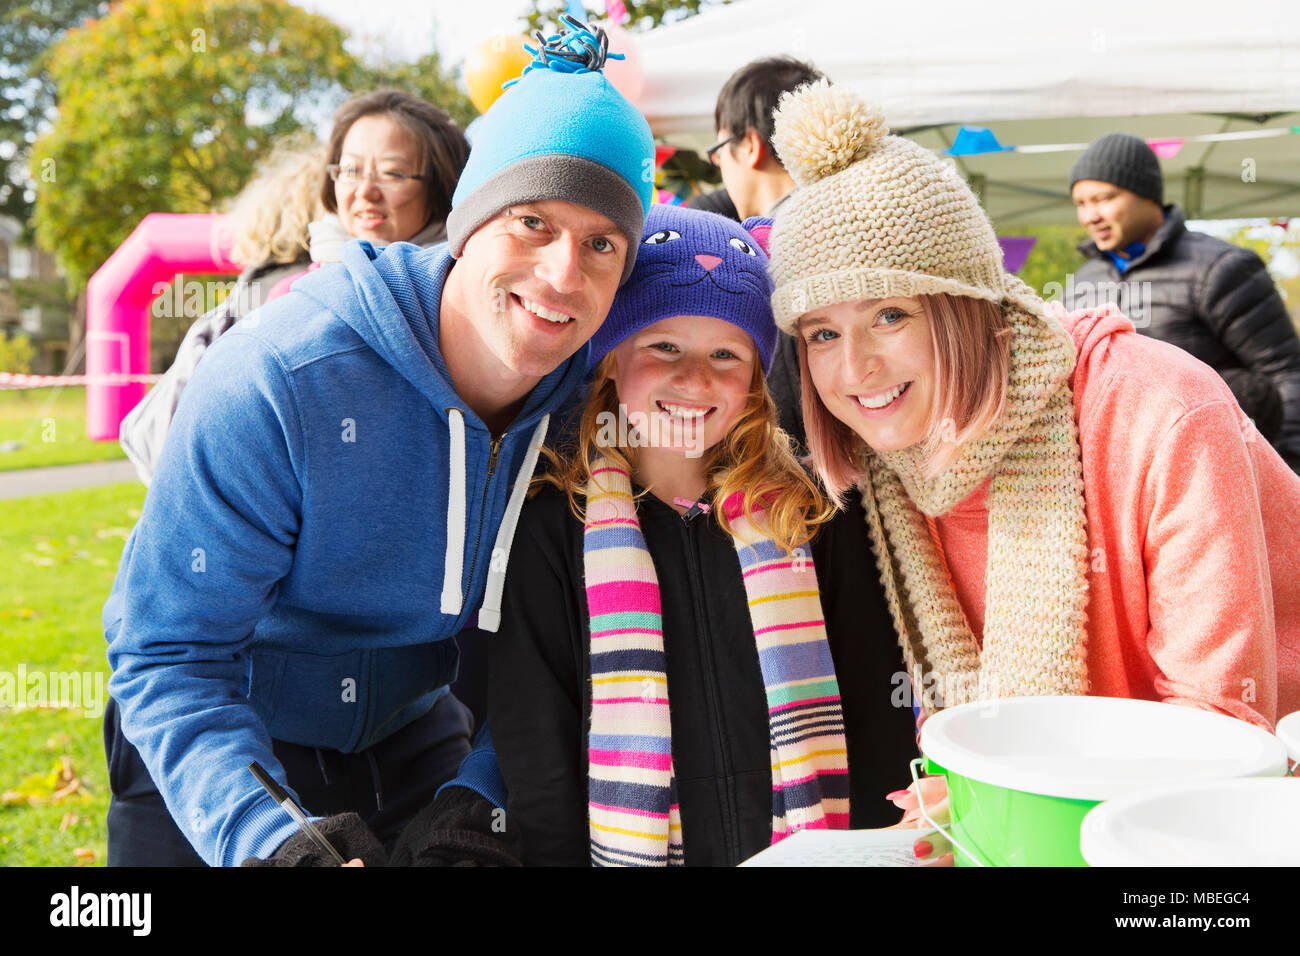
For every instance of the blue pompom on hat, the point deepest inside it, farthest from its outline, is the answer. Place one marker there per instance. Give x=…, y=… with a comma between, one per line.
x=693, y=262
x=560, y=132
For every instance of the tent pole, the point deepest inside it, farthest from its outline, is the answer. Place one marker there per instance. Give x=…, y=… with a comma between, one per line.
x=1193, y=192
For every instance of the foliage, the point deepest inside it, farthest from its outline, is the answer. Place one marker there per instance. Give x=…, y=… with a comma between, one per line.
x=643, y=15
x=426, y=78
x=27, y=29
x=1055, y=255
x=169, y=106
x=16, y=353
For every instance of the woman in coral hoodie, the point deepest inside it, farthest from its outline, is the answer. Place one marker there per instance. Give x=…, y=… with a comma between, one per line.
x=1058, y=505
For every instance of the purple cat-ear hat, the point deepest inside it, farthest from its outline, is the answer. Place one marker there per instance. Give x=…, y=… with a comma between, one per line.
x=692, y=262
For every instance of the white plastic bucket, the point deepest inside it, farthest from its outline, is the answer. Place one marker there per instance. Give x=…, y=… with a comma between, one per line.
x=1288, y=731
x=1250, y=822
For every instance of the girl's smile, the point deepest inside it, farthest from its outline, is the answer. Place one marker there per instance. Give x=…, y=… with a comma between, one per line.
x=690, y=377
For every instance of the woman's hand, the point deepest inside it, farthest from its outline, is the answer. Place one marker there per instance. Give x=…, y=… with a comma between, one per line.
x=935, y=848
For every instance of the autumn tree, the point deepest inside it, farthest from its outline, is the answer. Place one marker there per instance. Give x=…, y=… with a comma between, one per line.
x=645, y=15
x=27, y=30
x=168, y=106
x=426, y=78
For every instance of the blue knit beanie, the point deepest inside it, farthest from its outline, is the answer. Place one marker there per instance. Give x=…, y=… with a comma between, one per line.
x=561, y=131
x=693, y=262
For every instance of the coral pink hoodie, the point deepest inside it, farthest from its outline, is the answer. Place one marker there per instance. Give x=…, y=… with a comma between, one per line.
x=1193, y=532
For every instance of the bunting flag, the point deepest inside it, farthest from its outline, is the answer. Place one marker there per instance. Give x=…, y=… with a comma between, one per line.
x=977, y=140
x=1165, y=148
x=973, y=140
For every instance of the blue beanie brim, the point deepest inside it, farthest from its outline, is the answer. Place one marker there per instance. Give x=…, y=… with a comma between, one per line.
x=551, y=176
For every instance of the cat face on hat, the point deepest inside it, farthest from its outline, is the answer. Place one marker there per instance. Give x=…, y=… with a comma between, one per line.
x=691, y=262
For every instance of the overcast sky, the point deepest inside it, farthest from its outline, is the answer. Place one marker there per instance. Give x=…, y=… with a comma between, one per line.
x=406, y=29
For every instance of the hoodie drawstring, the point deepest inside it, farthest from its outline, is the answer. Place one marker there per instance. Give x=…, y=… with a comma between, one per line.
x=453, y=563
x=489, y=615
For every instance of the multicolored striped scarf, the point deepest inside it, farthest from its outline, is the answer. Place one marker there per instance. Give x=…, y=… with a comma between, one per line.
x=632, y=795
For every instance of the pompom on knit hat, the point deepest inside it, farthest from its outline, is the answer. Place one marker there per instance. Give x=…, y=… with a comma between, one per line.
x=560, y=132
x=1123, y=160
x=873, y=215
x=693, y=262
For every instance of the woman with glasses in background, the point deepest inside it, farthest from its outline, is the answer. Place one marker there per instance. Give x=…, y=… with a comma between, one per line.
x=389, y=171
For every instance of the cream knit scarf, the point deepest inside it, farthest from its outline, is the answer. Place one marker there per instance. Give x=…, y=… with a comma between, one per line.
x=1036, y=597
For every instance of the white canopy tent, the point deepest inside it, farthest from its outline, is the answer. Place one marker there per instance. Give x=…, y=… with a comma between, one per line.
x=1034, y=73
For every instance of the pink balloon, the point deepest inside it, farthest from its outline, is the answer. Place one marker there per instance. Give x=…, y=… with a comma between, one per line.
x=627, y=75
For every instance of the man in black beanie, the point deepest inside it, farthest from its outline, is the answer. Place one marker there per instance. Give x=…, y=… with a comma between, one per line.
x=1207, y=296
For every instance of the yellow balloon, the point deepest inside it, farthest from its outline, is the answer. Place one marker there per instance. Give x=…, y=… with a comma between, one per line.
x=493, y=62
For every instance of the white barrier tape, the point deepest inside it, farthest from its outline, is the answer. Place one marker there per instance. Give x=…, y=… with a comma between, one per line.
x=22, y=380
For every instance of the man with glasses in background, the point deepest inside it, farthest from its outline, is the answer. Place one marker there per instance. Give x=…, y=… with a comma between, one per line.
x=756, y=184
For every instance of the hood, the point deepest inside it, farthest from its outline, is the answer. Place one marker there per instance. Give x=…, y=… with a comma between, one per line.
x=1091, y=329
x=391, y=298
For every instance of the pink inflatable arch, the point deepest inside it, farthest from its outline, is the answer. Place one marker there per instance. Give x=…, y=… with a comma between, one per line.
x=118, y=300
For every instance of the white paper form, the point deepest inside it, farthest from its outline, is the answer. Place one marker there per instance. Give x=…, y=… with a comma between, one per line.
x=843, y=848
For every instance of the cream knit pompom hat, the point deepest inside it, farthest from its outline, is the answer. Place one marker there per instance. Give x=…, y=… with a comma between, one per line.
x=873, y=216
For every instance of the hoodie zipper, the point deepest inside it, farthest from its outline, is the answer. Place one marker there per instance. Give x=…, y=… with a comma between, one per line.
x=482, y=510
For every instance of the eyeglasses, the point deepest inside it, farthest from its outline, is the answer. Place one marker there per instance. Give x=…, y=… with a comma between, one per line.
x=713, y=150
x=384, y=179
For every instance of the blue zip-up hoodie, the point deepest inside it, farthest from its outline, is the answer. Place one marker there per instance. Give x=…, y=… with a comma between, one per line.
x=326, y=512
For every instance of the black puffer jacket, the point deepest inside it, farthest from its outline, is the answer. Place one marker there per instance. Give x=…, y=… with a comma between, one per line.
x=1210, y=298
x=539, y=691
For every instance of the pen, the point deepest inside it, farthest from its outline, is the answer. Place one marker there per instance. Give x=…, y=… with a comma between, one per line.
x=281, y=796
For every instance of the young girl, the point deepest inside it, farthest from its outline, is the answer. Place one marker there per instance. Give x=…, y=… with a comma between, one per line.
x=671, y=562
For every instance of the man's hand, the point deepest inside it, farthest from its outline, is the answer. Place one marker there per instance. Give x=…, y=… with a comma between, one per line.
x=346, y=831
x=459, y=828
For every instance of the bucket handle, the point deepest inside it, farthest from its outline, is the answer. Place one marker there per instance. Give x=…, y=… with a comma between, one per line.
x=945, y=829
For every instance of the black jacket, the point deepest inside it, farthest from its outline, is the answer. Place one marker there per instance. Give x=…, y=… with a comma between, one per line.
x=1210, y=298
x=539, y=690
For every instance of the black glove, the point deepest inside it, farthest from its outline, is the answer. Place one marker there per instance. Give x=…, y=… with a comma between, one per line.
x=347, y=832
x=459, y=828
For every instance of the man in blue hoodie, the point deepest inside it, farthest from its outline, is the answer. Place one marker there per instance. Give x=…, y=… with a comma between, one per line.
x=337, y=497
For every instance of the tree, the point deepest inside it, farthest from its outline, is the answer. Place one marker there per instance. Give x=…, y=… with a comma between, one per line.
x=167, y=106
x=26, y=88
x=643, y=15
x=426, y=78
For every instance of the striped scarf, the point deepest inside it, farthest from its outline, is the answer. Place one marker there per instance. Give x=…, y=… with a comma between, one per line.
x=632, y=795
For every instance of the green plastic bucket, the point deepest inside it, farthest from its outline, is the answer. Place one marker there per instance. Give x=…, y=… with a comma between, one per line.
x=1024, y=772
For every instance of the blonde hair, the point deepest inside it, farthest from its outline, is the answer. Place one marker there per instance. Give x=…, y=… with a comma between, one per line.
x=756, y=459
x=269, y=218
x=972, y=365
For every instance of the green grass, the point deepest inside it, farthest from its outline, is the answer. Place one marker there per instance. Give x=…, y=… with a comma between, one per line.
x=59, y=554
x=51, y=425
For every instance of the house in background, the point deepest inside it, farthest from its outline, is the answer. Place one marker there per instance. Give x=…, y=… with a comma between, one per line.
x=33, y=299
